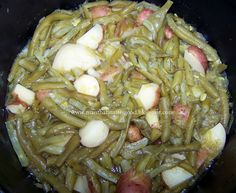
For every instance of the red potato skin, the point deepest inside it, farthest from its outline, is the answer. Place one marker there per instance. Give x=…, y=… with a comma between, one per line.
x=110, y=73
x=199, y=54
x=42, y=94
x=18, y=101
x=168, y=33
x=133, y=182
x=136, y=74
x=202, y=155
x=144, y=14
x=181, y=114
x=134, y=134
x=99, y=11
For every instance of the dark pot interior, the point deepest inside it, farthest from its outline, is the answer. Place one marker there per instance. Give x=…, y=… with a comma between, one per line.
x=216, y=19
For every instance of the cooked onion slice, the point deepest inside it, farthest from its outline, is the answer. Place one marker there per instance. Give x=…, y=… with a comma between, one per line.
x=94, y=133
x=87, y=84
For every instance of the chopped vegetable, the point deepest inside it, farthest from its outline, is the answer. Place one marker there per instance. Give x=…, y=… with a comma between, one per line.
x=94, y=133
x=87, y=84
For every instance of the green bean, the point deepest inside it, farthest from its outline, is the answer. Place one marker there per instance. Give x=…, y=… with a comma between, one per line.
x=69, y=148
x=153, y=150
x=62, y=115
x=128, y=150
x=112, y=18
x=77, y=104
x=54, y=182
x=171, y=47
x=209, y=88
x=190, y=38
x=16, y=144
x=52, y=149
x=119, y=90
x=121, y=139
x=178, y=188
x=95, y=181
x=63, y=31
x=155, y=21
x=38, y=73
x=149, y=76
x=14, y=70
x=141, y=51
x=119, y=3
x=59, y=140
x=165, y=118
x=100, y=170
x=143, y=163
x=188, y=73
x=182, y=148
x=129, y=8
x=162, y=74
x=105, y=187
x=79, y=155
x=143, y=41
x=57, y=128
x=104, y=98
x=45, y=42
x=127, y=74
x=70, y=179
x=160, y=35
x=177, y=78
x=125, y=165
x=47, y=85
x=45, y=23
x=28, y=64
x=225, y=107
x=192, y=157
x=106, y=161
x=62, y=78
x=113, y=136
x=95, y=4
x=51, y=160
x=189, y=129
x=29, y=150
x=144, y=126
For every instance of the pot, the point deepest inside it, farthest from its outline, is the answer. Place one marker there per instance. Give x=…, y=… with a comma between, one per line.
x=216, y=19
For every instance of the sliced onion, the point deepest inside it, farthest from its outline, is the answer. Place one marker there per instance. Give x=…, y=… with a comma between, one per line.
x=94, y=133
x=87, y=84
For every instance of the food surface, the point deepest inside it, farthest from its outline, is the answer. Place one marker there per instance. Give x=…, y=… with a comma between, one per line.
x=117, y=97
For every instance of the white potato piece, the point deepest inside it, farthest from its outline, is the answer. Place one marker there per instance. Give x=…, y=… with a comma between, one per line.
x=16, y=108
x=175, y=176
x=94, y=133
x=152, y=118
x=81, y=185
x=24, y=94
x=92, y=38
x=193, y=62
x=214, y=139
x=148, y=95
x=87, y=84
x=72, y=56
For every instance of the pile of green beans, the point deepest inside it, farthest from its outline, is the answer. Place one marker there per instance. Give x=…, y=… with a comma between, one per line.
x=46, y=135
